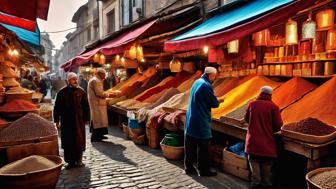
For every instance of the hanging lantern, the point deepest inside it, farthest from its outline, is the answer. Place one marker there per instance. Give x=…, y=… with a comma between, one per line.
x=87, y=69
x=309, y=28
x=325, y=18
x=133, y=52
x=331, y=40
x=96, y=57
x=205, y=49
x=291, y=32
x=261, y=38
x=139, y=54
x=102, y=59
x=233, y=46
x=175, y=65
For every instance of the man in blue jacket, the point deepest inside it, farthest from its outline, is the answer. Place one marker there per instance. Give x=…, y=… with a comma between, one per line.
x=198, y=124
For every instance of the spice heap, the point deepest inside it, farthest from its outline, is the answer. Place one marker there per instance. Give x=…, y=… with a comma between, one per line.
x=18, y=90
x=28, y=127
x=18, y=105
x=240, y=95
x=326, y=180
x=28, y=164
x=2, y=121
x=239, y=113
x=310, y=126
x=291, y=91
x=318, y=103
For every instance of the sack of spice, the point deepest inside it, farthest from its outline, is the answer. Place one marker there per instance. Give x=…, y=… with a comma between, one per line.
x=30, y=126
x=310, y=126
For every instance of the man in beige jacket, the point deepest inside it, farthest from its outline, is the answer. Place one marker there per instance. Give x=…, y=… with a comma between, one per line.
x=98, y=106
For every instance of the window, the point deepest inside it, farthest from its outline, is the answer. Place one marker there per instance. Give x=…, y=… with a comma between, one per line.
x=126, y=12
x=88, y=34
x=111, y=21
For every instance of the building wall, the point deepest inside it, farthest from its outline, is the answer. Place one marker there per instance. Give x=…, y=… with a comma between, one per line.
x=108, y=6
x=48, y=47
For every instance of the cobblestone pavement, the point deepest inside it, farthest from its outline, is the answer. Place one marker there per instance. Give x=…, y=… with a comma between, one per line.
x=119, y=163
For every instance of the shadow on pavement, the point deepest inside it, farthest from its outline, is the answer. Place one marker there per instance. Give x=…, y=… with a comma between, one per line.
x=113, y=151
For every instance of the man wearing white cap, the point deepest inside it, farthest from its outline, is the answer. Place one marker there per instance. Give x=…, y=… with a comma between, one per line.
x=263, y=118
x=198, y=124
x=98, y=106
x=72, y=110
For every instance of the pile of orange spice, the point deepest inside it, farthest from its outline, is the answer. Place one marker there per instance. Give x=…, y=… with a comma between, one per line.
x=18, y=105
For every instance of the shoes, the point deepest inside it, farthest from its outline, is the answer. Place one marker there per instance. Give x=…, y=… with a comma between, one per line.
x=70, y=166
x=80, y=164
x=207, y=173
x=190, y=171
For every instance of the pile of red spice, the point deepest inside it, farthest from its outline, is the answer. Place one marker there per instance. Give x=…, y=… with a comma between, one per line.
x=18, y=105
x=310, y=126
x=2, y=121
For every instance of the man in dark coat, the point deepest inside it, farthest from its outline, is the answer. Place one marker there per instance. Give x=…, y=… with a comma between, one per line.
x=198, y=124
x=72, y=109
x=264, y=118
x=110, y=80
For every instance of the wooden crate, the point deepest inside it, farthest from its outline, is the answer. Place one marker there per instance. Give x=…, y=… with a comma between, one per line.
x=237, y=171
x=236, y=165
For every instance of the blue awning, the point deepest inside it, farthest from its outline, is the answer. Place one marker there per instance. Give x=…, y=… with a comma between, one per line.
x=25, y=35
x=233, y=17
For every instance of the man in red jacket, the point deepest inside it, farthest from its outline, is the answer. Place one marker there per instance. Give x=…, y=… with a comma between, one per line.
x=263, y=118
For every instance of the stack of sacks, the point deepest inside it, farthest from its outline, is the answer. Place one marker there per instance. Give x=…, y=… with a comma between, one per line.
x=317, y=104
x=283, y=96
x=240, y=95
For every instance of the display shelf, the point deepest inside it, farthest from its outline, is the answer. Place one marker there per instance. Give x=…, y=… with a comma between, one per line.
x=298, y=62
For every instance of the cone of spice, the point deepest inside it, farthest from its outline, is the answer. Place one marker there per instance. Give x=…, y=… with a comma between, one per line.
x=318, y=104
x=291, y=91
x=28, y=127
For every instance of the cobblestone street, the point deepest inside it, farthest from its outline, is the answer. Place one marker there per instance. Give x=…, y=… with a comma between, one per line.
x=119, y=163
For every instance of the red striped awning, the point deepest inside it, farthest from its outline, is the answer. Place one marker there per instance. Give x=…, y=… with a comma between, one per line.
x=18, y=22
x=114, y=46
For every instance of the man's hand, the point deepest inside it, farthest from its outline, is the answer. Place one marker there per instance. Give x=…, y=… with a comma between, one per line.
x=58, y=125
x=220, y=100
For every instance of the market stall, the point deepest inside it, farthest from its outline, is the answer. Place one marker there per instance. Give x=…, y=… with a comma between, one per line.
x=299, y=64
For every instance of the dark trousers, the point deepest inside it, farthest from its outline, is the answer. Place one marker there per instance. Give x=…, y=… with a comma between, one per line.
x=262, y=171
x=72, y=157
x=196, y=151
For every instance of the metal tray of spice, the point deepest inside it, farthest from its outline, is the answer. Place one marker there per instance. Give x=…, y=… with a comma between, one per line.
x=309, y=130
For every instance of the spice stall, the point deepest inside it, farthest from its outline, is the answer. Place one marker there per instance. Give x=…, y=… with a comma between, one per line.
x=265, y=54
x=23, y=132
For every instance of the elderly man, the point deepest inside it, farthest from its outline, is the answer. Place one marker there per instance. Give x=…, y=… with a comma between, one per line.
x=98, y=106
x=72, y=109
x=198, y=123
x=263, y=118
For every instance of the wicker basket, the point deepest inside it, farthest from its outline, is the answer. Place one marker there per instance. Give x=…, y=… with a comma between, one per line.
x=153, y=137
x=125, y=130
x=17, y=96
x=172, y=152
x=311, y=184
x=138, y=139
x=46, y=178
x=137, y=131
